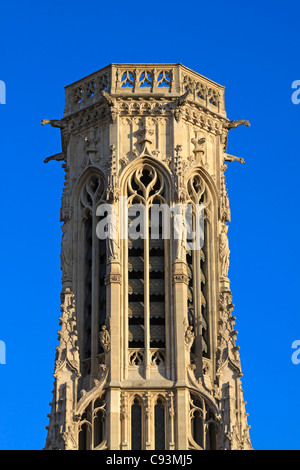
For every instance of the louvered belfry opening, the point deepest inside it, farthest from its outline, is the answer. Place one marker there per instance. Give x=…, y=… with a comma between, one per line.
x=136, y=293
x=157, y=287
x=146, y=269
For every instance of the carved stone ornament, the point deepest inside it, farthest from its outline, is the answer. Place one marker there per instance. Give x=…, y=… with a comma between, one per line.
x=113, y=189
x=146, y=134
x=189, y=338
x=67, y=349
x=224, y=251
x=66, y=211
x=65, y=390
x=66, y=253
x=235, y=124
x=111, y=278
x=179, y=236
x=91, y=140
x=179, y=104
x=180, y=190
x=112, y=105
x=198, y=149
x=232, y=158
x=181, y=278
x=112, y=241
x=226, y=335
x=104, y=337
x=224, y=209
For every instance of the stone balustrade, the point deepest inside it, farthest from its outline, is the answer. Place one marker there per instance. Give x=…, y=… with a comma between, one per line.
x=160, y=80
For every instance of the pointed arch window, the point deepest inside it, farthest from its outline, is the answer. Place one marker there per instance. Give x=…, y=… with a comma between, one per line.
x=197, y=420
x=136, y=425
x=199, y=271
x=211, y=432
x=146, y=262
x=91, y=428
x=203, y=424
x=160, y=425
x=91, y=254
x=99, y=421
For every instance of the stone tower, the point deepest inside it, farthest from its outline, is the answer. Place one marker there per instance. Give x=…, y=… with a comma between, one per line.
x=147, y=357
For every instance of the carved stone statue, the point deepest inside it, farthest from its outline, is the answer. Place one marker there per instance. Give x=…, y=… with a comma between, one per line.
x=224, y=251
x=179, y=236
x=112, y=241
x=104, y=338
x=66, y=253
x=189, y=337
x=199, y=149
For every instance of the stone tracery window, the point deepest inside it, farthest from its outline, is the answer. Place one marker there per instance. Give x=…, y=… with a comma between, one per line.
x=157, y=287
x=136, y=425
x=211, y=432
x=159, y=424
x=92, y=260
x=88, y=231
x=203, y=424
x=148, y=422
x=146, y=261
x=91, y=428
x=199, y=272
x=197, y=420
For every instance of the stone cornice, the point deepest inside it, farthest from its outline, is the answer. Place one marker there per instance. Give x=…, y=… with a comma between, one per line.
x=146, y=106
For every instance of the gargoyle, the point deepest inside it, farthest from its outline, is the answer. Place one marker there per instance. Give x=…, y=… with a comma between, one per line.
x=178, y=103
x=182, y=100
x=235, y=124
x=112, y=104
x=110, y=101
x=54, y=123
x=58, y=157
x=198, y=144
x=231, y=158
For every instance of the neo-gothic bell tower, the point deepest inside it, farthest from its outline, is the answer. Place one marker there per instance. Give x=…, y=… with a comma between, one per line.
x=147, y=357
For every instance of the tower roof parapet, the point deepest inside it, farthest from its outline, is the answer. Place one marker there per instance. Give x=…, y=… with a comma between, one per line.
x=145, y=81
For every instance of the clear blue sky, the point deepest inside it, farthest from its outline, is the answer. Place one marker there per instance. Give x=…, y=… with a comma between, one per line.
x=252, y=48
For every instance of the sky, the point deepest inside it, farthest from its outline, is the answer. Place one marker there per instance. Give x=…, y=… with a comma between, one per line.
x=252, y=48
